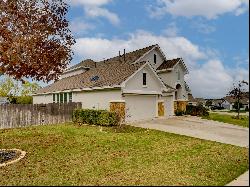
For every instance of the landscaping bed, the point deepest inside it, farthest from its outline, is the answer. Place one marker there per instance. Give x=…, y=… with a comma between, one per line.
x=8, y=155
x=71, y=155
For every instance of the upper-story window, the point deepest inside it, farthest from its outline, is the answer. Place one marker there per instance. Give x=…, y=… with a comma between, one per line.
x=144, y=79
x=155, y=58
x=179, y=75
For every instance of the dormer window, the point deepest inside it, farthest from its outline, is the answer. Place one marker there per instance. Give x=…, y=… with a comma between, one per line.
x=144, y=79
x=155, y=58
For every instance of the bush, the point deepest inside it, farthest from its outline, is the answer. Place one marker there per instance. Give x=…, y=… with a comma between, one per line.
x=179, y=113
x=197, y=110
x=20, y=99
x=95, y=117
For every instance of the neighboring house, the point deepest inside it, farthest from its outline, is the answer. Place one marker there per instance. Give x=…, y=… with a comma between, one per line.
x=192, y=100
x=3, y=100
x=196, y=101
x=229, y=102
x=144, y=80
x=217, y=102
x=201, y=101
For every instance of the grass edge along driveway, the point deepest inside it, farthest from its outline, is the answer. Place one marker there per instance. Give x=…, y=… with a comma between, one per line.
x=67, y=154
x=243, y=122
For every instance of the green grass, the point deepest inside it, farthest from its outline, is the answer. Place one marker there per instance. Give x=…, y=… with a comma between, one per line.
x=243, y=121
x=235, y=111
x=71, y=155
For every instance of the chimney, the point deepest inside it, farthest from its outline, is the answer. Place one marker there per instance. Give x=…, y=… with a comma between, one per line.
x=124, y=55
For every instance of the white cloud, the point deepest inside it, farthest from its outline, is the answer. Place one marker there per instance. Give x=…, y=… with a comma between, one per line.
x=171, y=30
x=89, y=2
x=209, y=9
x=203, y=27
x=102, y=12
x=94, y=9
x=78, y=26
x=99, y=48
x=212, y=79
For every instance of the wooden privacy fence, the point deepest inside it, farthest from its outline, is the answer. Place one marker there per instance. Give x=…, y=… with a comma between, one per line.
x=17, y=115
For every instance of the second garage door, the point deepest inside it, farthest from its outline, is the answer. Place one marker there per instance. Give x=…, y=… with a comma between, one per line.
x=140, y=107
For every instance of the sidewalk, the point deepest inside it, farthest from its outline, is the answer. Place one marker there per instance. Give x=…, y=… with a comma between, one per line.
x=242, y=180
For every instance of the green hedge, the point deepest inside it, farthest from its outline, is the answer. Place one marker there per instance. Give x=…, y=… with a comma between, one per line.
x=197, y=110
x=95, y=117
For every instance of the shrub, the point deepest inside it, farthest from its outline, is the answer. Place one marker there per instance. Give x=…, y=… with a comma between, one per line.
x=179, y=112
x=197, y=110
x=95, y=117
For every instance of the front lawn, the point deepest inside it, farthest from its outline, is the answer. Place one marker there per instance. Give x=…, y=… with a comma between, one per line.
x=243, y=121
x=71, y=155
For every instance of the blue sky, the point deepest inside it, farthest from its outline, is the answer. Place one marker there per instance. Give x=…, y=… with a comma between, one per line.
x=211, y=36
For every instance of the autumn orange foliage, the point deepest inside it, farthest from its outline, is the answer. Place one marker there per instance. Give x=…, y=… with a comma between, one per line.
x=35, y=40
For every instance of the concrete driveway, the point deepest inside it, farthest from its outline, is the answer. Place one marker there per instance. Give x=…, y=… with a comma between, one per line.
x=204, y=129
x=200, y=128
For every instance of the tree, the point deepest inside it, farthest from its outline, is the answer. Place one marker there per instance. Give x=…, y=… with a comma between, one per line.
x=8, y=87
x=237, y=93
x=35, y=40
x=237, y=105
x=209, y=102
x=28, y=88
x=16, y=91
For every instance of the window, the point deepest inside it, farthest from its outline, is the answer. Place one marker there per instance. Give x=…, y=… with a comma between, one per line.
x=179, y=75
x=65, y=97
x=54, y=98
x=144, y=81
x=57, y=99
x=95, y=78
x=155, y=58
x=61, y=97
x=70, y=97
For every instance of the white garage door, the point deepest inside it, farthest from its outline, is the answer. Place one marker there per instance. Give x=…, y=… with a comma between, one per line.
x=140, y=107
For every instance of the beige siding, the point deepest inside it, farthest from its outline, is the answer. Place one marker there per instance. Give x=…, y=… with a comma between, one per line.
x=96, y=99
x=171, y=78
x=150, y=58
x=136, y=84
x=43, y=99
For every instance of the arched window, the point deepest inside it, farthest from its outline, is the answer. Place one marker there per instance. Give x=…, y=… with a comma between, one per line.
x=179, y=75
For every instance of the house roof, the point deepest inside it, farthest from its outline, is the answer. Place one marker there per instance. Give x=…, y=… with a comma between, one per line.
x=244, y=100
x=86, y=63
x=110, y=72
x=191, y=98
x=168, y=64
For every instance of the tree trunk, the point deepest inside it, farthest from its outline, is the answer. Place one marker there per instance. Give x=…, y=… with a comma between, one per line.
x=238, y=116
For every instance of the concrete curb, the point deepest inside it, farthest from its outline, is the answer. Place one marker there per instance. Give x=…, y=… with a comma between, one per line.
x=23, y=153
x=242, y=180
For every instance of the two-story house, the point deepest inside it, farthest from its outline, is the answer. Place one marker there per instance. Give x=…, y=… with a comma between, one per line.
x=144, y=81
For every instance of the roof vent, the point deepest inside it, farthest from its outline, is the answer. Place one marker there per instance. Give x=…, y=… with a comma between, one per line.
x=124, y=55
x=95, y=78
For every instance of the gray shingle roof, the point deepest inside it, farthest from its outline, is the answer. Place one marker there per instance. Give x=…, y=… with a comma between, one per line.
x=110, y=72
